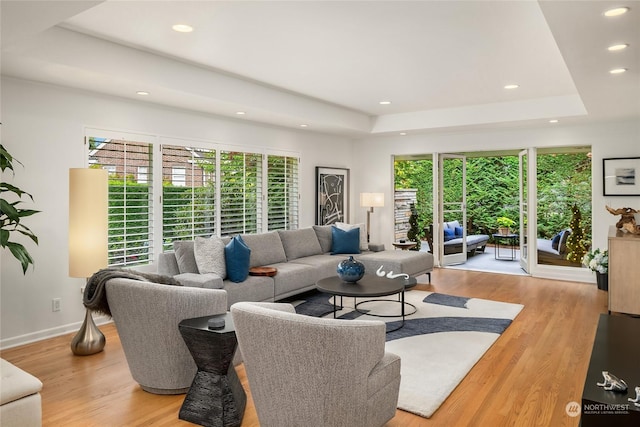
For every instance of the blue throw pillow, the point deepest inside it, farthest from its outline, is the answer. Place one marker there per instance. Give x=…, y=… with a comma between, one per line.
x=237, y=256
x=345, y=242
x=458, y=231
x=449, y=234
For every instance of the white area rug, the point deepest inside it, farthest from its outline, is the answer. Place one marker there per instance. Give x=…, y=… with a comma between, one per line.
x=439, y=344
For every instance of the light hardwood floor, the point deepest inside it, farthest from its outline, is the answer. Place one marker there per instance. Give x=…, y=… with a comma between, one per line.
x=525, y=379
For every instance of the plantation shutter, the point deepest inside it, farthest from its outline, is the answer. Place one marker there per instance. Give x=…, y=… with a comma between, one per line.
x=282, y=192
x=240, y=193
x=130, y=198
x=188, y=193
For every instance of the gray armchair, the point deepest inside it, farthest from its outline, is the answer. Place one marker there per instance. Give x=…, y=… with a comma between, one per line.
x=146, y=316
x=307, y=371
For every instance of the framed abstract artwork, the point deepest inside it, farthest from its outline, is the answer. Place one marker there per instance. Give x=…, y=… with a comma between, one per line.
x=332, y=199
x=621, y=176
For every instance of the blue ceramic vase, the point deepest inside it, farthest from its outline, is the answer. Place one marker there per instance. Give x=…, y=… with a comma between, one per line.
x=350, y=270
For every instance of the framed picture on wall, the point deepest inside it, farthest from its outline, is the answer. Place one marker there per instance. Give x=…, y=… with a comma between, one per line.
x=332, y=195
x=621, y=176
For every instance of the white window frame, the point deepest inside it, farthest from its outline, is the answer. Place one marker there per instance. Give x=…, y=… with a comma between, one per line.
x=156, y=229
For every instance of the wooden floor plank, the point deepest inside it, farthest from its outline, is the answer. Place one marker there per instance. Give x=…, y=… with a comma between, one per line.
x=526, y=378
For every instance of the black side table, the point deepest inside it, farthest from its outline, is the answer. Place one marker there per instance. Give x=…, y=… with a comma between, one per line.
x=510, y=243
x=216, y=397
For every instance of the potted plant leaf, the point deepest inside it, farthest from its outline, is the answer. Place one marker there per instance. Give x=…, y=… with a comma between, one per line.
x=504, y=224
x=11, y=215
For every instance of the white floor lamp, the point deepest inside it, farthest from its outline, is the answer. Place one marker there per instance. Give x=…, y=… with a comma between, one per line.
x=371, y=200
x=88, y=241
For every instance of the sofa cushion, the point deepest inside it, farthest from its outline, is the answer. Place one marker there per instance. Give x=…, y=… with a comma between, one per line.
x=237, y=255
x=449, y=233
x=323, y=233
x=452, y=224
x=266, y=248
x=185, y=256
x=300, y=243
x=364, y=245
x=291, y=277
x=562, y=245
x=458, y=231
x=345, y=242
x=254, y=288
x=168, y=264
x=193, y=280
x=545, y=245
x=209, y=254
x=408, y=262
x=555, y=242
x=326, y=265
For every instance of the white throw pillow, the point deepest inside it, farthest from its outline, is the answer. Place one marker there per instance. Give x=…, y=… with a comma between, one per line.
x=209, y=254
x=363, y=232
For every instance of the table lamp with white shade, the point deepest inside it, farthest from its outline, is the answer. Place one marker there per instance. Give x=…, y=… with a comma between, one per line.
x=371, y=200
x=88, y=243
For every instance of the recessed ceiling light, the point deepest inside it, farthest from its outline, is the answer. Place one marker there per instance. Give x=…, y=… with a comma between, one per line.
x=616, y=11
x=240, y=113
x=142, y=93
x=403, y=133
x=618, y=70
x=615, y=47
x=182, y=28
x=385, y=102
x=553, y=121
x=511, y=86
x=303, y=125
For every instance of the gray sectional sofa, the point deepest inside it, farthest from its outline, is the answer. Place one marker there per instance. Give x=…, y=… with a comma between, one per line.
x=301, y=257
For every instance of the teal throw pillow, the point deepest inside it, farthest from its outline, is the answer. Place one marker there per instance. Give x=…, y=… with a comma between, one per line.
x=345, y=241
x=237, y=256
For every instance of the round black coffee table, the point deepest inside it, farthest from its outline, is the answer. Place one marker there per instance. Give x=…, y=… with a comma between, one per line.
x=369, y=286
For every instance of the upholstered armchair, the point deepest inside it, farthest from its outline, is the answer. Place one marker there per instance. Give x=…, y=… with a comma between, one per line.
x=307, y=371
x=146, y=316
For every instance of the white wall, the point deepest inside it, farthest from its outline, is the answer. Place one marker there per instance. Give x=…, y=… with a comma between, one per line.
x=43, y=127
x=373, y=170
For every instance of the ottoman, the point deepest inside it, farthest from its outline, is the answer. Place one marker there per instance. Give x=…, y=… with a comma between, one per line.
x=20, y=403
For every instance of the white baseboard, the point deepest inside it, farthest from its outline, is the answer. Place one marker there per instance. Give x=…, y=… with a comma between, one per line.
x=48, y=333
x=571, y=274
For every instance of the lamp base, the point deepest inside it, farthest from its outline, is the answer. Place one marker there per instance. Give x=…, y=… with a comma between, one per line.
x=89, y=339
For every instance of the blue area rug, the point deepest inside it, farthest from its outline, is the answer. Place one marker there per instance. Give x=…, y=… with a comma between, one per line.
x=438, y=344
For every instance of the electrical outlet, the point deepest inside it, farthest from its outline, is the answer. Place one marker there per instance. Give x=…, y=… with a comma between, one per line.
x=55, y=304
x=82, y=290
